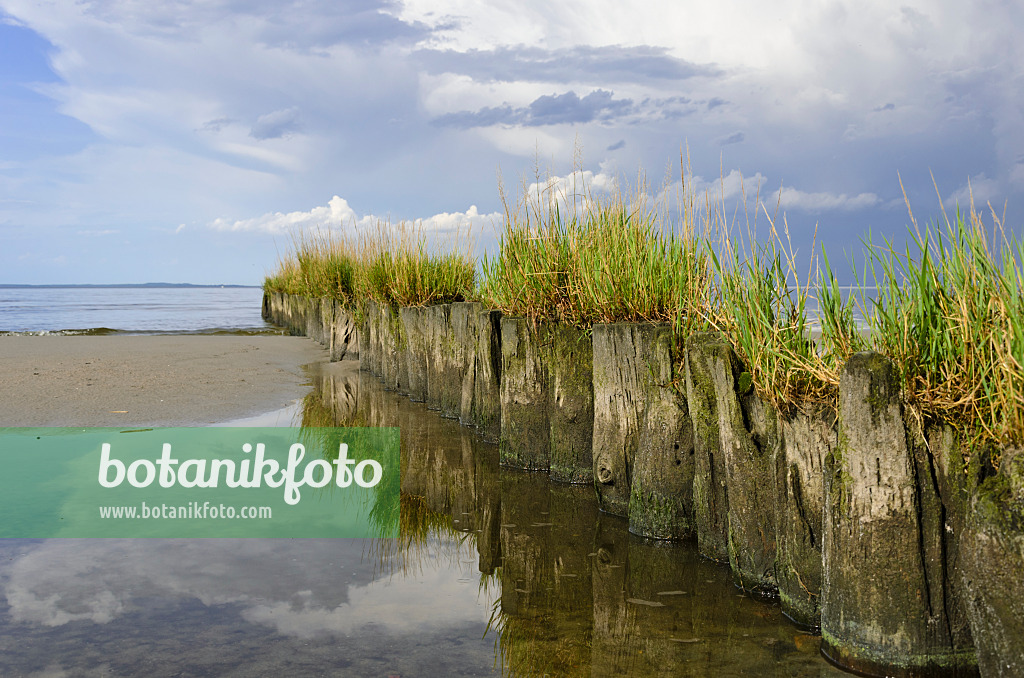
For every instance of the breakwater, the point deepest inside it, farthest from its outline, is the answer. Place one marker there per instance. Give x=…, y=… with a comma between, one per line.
x=866, y=525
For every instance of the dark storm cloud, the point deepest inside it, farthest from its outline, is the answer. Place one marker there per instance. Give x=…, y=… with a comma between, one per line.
x=569, y=108
x=485, y=117
x=550, y=109
x=605, y=64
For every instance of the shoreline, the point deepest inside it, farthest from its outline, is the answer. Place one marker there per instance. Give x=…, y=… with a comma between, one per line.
x=179, y=380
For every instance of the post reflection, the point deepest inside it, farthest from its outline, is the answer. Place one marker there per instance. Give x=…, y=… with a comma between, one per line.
x=574, y=594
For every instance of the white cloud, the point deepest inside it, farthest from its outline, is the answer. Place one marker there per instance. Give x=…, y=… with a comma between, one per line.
x=61, y=581
x=338, y=215
x=734, y=187
x=979, y=191
x=791, y=198
x=468, y=222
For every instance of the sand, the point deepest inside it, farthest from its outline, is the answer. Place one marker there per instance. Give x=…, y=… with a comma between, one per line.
x=189, y=380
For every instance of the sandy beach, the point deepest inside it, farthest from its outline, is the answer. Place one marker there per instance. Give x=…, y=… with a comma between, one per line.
x=188, y=380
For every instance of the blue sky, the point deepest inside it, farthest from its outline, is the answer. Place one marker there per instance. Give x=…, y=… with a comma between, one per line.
x=183, y=141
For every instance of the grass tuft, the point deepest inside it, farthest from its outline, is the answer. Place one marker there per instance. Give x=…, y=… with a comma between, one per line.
x=580, y=257
x=949, y=307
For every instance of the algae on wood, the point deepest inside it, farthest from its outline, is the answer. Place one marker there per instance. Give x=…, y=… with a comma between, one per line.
x=808, y=436
x=710, y=492
x=747, y=430
x=463, y=355
x=413, y=323
x=571, y=404
x=992, y=559
x=486, y=413
x=525, y=427
x=642, y=438
x=883, y=603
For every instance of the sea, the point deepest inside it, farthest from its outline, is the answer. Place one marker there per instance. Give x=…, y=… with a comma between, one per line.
x=132, y=309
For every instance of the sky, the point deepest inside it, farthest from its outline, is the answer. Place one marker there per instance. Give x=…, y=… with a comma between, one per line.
x=188, y=141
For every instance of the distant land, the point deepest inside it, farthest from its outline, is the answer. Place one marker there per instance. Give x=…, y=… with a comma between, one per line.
x=122, y=285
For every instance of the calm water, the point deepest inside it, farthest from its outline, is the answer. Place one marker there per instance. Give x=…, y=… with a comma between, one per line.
x=497, y=573
x=132, y=310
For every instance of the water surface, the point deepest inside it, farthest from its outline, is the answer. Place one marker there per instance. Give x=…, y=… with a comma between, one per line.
x=497, y=572
x=132, y=310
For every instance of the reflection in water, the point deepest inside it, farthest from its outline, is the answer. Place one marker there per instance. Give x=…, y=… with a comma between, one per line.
x=576, y=594
x=495, y=572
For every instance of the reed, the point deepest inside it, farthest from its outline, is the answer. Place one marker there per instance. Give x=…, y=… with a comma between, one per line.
x=392, y=265
x=286, y=278
x=322, y=264
x=401, y=268
x=328, y=266
x=949, y=309
x=950, y=314
x=764, y=311
x=578, y=257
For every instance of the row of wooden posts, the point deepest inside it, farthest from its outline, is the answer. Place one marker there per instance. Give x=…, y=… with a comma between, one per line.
x=865, y=526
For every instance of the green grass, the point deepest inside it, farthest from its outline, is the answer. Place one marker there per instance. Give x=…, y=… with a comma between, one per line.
x=321, y=265
x=286, y=278
x=401, y=269
x=392, y=265
x=793, y=354
x=950, y=314
x=583, y=258
x=949, y=311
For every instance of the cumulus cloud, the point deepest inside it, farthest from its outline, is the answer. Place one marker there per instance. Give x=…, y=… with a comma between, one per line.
x=338, y=215
x=335, y=214
x=791, y=198
x=470, y=221
x=734, y=186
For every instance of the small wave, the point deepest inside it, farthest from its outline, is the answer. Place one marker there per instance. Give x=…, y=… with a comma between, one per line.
x=104, y=331
x=91, y=331
x=232, y=331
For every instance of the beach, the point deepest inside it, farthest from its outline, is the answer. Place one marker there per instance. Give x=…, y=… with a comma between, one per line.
x=184, y=380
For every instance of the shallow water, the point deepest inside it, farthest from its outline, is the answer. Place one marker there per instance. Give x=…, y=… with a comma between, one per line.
x=497, y=572
x=132, y=310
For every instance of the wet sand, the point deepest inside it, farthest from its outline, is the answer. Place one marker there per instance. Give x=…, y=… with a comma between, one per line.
x=189, y=380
